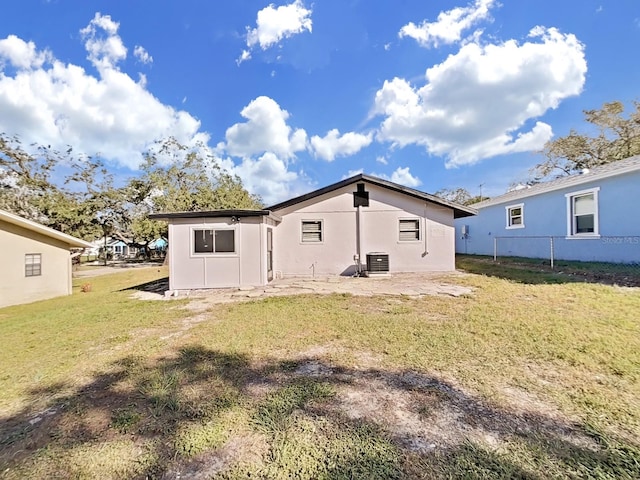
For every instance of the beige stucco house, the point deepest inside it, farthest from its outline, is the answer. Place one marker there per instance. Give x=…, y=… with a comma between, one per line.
x=360, y=226
x=36, y=261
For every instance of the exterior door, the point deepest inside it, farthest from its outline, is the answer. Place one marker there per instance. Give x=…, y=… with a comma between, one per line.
x=269, y=254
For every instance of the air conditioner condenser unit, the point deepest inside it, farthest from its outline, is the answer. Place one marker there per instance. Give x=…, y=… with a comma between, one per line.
x=377, y=263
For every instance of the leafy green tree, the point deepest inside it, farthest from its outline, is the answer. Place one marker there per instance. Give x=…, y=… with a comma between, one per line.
x=25, y=179
x=178, y=178
x=85, y=205
x=614, y=137
x=88, y=205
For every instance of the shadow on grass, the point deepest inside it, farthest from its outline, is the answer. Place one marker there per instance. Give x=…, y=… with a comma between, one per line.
x=539, y=271
x=204, y=413
x=160, y=285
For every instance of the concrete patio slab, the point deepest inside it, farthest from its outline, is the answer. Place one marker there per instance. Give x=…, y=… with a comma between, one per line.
x=413, y=285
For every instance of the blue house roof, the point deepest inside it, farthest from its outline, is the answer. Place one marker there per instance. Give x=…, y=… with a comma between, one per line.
x=612, y=169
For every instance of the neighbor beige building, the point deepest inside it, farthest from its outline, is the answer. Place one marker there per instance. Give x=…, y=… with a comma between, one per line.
x=36, y=260
x=360, y=226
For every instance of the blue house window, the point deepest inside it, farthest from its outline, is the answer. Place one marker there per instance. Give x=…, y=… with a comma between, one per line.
x=515, y=216
x=582, y=214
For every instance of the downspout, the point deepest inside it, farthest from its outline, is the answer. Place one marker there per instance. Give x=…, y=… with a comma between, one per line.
x=358, y=241
x=238, y=239
x=426, y=245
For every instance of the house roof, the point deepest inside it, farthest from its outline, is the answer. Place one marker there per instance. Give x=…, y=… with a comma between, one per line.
x=41, y=229
x=459, y=211
x=619, y=167
x=215, y=214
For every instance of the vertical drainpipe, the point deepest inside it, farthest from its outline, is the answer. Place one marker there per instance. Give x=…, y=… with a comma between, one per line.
x=358, y=240
x=426, y=244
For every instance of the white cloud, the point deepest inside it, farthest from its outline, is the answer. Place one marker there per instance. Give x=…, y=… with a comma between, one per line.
x=267, y=176
x=334, y=145
x=53, y=103
x=449, y=26
x=21, y=54
x=266, y=146
x=141, y=54
x=266, y=130
x=353, y=173
x=401, y=176
x=274, y=24
x=245, y=55
x=473, y=104
x=104, y=46
x=382, y=159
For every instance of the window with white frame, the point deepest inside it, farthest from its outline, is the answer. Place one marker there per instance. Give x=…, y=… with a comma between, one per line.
x=409, y=230
x=582, y=213
x=33, y=265
x=515, y=216
x=312, y=231
x=214, y=241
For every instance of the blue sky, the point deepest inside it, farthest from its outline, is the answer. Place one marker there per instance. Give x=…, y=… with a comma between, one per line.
x=295, y=95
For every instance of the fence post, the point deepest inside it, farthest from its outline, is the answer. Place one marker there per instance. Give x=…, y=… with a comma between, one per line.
x=495, y=249
x=551, y=238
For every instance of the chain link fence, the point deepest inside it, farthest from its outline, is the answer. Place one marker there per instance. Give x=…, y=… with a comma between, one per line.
x=617, y=257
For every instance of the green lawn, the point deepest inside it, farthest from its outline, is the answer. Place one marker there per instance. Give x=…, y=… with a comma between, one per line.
x=532, y=375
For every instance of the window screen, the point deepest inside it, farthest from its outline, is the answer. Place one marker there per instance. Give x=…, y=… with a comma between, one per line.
x=312, y=231
x=33, y=264
x=409, y=230
x=584, y=214
x=514, y=216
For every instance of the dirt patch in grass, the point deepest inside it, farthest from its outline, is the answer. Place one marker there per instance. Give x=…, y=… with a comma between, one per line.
x=425, y=413
x=203, y=414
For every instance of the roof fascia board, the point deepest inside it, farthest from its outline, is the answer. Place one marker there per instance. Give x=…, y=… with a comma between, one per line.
x=214, y=214
x=43, y=230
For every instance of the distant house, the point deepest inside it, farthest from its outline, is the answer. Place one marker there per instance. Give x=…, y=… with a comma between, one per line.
x=159, y=245
x=36, y=260
x=121, y=248
x=116, y=247
x=587, y=217
x=360, y=225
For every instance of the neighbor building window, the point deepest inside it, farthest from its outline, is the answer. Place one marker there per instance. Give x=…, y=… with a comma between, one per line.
x=214, y=241
x=582, y=213
x=312, y=231
x=33, y=265
x=409, y=230
x=515, y=216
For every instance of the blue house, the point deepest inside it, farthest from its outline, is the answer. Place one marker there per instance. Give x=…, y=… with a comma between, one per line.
x=589, y=217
